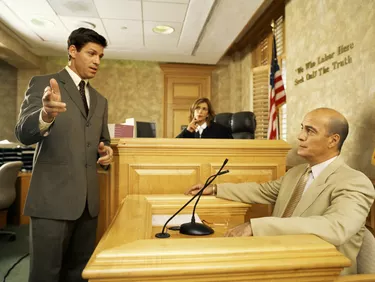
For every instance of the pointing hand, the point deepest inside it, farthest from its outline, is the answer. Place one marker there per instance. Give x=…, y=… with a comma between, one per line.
x=51, y=100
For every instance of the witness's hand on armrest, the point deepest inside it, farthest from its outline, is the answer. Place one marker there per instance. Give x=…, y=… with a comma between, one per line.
x=195, y=189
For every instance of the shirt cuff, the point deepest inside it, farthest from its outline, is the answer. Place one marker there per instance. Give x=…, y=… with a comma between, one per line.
x=44, y=126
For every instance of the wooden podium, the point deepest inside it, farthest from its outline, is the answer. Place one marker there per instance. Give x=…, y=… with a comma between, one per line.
x=129, y=251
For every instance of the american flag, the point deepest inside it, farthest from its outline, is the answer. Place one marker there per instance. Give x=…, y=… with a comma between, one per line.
x=277, y=95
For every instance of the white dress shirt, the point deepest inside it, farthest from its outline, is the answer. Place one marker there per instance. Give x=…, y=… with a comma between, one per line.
x=200, y=128
x=316, y=170
x=44, y=126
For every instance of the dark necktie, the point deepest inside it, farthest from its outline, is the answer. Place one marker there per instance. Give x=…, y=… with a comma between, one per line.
x=297, y=193
x=83, y=95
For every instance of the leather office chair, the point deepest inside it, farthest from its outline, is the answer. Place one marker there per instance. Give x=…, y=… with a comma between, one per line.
x=366, y=255
x=8, y=176
x=242, y=124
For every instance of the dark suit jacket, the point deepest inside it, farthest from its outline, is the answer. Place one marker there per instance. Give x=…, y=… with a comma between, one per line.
x=215, y=130
x=64, y=174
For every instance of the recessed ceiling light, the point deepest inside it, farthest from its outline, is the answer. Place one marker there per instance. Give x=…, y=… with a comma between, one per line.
x=42, y=22
x=84, y=24
x=163, y=29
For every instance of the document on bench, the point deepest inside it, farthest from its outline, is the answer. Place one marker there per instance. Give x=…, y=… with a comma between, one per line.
x=161, y=219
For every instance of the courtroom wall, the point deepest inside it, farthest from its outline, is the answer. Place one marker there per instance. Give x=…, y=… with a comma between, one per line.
x=231, y=84
x=133, y=88
x=340, y=41
x=23, y=79
x=8, y=99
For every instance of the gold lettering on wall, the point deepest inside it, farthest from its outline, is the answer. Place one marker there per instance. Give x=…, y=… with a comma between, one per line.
x=324, y=64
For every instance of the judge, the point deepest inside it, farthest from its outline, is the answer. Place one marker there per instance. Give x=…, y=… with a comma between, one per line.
x=201, y=122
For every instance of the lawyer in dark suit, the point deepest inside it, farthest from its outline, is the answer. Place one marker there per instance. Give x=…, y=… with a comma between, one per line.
x=67, y=119
x=335, y=201
x=201, y=122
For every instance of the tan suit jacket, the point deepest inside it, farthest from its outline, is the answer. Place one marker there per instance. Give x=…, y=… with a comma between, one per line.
x=334, y=207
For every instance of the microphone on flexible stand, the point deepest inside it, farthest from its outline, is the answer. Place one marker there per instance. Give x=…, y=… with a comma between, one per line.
x=196, y=228
x=164, y=234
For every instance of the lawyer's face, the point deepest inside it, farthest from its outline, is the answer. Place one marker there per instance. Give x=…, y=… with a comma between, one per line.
x=86, y=62
x=314, y=139
x=201, y=112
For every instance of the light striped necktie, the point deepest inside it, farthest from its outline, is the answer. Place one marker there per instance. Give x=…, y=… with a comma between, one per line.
x=297, y=193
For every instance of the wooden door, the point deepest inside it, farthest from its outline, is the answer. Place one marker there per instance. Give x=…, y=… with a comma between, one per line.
x=183, y=84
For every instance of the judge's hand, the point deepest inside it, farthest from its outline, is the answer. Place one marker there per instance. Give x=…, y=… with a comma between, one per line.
x=192, y=125
x=51, y=100
x=105, y=153
x=242, y=230
x=195, y=189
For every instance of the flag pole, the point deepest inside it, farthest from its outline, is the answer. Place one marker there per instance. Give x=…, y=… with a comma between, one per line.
x=277, y=110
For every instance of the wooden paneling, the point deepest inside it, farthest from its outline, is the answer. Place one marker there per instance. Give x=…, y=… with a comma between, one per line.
x=130, y=252
x=171, y=166
x=157, y=178
x=180, y=118
x=183, y=84
x=356, y=278
x=104, y=190
x=22, y=188
x=186, y=90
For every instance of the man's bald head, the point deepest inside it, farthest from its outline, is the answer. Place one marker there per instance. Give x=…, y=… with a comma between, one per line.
x=336, y=123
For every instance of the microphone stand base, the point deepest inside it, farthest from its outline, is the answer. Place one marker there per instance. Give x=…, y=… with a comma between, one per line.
x=195, y=229
x=162, y=235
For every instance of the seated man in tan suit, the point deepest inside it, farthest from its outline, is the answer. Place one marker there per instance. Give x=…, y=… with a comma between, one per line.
x=325, y=197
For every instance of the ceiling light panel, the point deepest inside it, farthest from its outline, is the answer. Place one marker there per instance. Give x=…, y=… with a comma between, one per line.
x=74, y=23
x=119, y=9
x=24, y=7
x=155, y=11
x=126, y=33
x=160, y=41
x=40, y=18
x=74, y=8
x=12, y=21
x=49, y=29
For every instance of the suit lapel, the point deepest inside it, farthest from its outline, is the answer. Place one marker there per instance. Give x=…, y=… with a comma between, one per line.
x=93, y=101
x=72, y=90
x=316, y=187
x=287, y=193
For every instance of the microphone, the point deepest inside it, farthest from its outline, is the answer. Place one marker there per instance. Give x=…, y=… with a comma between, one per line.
x=195, y=228
x=164, y=234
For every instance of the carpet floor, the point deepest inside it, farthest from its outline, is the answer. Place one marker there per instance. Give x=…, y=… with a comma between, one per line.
x=11, y=252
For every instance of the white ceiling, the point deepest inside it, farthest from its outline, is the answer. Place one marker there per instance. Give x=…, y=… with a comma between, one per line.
x=204, y=29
